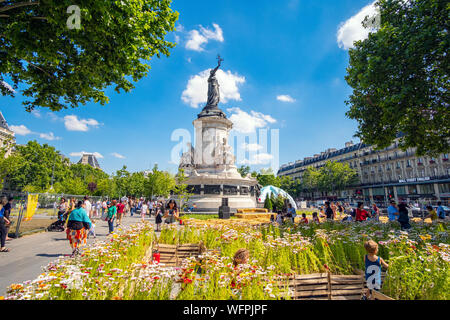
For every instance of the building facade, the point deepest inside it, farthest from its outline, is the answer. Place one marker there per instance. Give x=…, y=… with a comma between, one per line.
x=6, y=135
x=385, y=174
x=89, y=159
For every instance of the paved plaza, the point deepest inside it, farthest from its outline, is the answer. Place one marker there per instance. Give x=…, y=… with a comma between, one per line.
x=30, y=253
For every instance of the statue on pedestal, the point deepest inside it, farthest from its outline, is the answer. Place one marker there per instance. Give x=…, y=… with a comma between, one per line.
x=228, y=156
x=187, y=159
x=211, y=109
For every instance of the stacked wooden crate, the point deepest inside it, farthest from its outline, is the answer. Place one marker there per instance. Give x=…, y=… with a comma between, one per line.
x=325, y=286
x=173, y=255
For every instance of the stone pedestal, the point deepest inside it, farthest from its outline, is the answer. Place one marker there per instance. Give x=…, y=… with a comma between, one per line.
x=211, y=170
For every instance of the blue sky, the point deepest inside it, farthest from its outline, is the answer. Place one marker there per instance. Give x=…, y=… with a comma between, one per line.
x=284, y=69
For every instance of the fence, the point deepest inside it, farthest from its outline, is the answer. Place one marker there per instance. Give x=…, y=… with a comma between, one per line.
x=45, y=214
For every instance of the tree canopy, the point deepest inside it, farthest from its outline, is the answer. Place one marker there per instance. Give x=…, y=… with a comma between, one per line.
x=34, y=168
x=60, y=66
x=332, y=177
x=400, y=77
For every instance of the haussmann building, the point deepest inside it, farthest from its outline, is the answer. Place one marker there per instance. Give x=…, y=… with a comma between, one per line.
x=385, y=174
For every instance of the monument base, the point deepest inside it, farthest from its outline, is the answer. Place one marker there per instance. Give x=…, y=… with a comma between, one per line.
x=211, y=203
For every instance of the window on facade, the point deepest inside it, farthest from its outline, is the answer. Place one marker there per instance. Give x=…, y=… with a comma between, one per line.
x=427, y=189
x=444, y=188
x=408, y=163
x=401, y=190
x=419, y=160
x=412, y=189
x=378, y=191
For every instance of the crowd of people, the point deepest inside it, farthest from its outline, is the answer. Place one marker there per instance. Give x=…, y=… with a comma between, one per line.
x=79, y=218
x=344, y=212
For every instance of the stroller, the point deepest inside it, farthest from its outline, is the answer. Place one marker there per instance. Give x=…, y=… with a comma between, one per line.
x=58, y=225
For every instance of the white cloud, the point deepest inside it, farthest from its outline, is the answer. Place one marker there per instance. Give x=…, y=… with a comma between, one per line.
x=54, y=117
x=285, y=98
x=353, y=30
x=48, y=136
x=196, y=91
x=8, y=87
x=251, y=146
x=198, y=38
x=36, y=113
x=20, y=130
x=80, y=154
x=258, y=159
x=195, y=41
x=117, y=155
x=72, y=123
x=244, y=122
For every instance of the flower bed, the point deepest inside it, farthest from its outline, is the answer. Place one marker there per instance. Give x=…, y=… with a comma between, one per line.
x=121, y=268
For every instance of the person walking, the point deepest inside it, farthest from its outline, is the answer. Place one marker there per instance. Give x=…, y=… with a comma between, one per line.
x=120, y=210
x=158, y=218
x=62, y=209
x=393, y=211
x=88, y=206
x=77, y=227
x=403, y=216
x=8, y=208
x=104, y=207
x=3, y=223
x=111, y=215
x=144, y=210
x=172, y=212
x=98, y=208
x=150, y=207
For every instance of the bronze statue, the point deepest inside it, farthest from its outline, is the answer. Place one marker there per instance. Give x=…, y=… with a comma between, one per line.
x=211, y=108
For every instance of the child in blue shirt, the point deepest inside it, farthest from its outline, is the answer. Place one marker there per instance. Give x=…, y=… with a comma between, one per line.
x=373, y=265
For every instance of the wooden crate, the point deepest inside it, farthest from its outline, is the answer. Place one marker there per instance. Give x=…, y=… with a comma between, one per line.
x=173, y=255
x=347, y=287
x=324, y=286
x=187, y=250
x=168, y=254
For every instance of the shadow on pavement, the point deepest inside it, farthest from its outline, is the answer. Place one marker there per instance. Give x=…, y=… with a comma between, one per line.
x=51, y=255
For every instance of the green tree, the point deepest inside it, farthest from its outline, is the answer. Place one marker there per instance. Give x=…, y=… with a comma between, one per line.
x=310, y=180
x=335, y=176
x=136, y=184
x=35, y=166
x=244, y=171
x=400, y=77
x=61, y=67
x=122, y=181
x=159, y=183
x=268, y=204
x=181, y=189
x=266, y=177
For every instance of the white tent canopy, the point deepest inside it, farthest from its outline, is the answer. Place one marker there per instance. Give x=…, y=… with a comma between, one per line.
x=267, y=191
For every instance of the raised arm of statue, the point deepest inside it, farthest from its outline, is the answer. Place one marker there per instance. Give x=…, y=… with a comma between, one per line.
x=213, y=72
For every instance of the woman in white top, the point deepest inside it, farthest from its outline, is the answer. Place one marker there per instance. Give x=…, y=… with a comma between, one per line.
x=144, y=210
